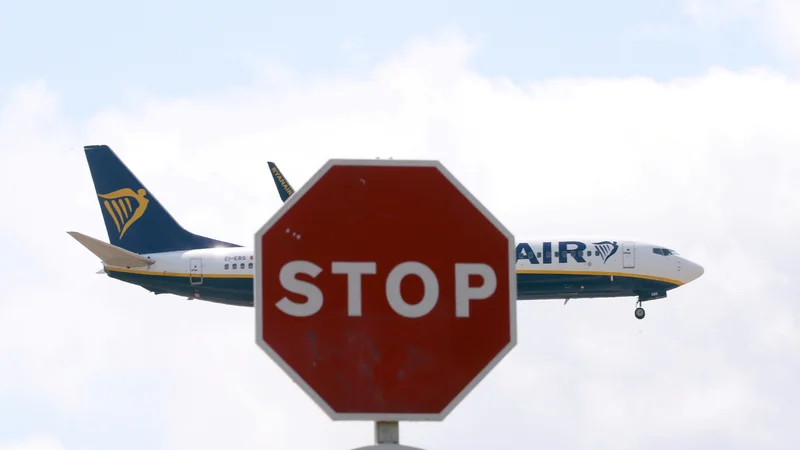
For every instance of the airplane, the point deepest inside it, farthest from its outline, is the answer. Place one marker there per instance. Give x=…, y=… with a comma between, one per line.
x=148, y=248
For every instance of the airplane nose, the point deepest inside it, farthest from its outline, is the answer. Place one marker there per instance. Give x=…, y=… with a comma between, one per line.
x=693, y=270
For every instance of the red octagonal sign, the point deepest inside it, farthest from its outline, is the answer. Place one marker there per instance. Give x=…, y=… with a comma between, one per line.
x=385, y=290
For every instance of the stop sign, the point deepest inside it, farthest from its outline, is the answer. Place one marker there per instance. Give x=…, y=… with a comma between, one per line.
x=385, y=290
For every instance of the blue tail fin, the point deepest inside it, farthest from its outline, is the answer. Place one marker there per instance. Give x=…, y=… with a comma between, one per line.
x=134, y=219
x=285, y=189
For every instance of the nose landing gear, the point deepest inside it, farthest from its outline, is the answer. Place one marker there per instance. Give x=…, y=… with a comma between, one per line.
x=646, y=297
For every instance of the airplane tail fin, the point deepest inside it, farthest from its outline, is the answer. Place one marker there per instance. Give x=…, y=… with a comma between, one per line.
x=285, y=189
x=135, y=220
x=110, y=254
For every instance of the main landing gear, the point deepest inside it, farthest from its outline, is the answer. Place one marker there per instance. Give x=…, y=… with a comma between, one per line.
x=639, y=312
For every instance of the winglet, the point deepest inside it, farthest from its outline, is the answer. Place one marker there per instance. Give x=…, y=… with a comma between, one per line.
x=285, y=189
x=111, y=255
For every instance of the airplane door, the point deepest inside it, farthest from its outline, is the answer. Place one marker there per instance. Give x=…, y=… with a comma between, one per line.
x=196, y=271
x=628, y=255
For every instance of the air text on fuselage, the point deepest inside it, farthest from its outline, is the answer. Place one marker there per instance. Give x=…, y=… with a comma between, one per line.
x=565, y=249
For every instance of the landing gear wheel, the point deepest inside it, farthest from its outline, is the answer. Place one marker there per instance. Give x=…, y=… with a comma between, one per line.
x=639, y=313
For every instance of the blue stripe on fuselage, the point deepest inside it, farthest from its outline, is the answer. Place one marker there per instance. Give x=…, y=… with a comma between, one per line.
x=238, y=290
x=548, y=285
x=228, y=290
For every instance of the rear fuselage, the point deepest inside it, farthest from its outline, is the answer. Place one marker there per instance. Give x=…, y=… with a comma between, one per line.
x=545, y=270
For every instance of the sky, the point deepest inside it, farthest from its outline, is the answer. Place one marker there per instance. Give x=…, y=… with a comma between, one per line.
x=672, y=122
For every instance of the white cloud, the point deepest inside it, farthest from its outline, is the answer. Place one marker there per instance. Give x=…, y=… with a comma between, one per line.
x=777, y=20
x=705, y=165
x=784, y=17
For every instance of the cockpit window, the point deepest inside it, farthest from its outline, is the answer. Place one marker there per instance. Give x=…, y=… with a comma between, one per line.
x=664, y=252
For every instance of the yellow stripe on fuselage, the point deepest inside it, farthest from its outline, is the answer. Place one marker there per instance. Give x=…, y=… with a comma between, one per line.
x=603, y=274
x=526, y=272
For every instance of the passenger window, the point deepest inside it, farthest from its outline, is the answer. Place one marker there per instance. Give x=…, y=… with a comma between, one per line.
x=234, y=265
x=250, y=266
x=226, y=267
x=538, y=254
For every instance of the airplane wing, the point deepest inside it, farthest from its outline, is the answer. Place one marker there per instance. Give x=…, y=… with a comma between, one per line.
x=285, y=190
x=111, y=254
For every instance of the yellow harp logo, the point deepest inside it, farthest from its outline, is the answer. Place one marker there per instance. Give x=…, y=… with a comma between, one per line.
x=122, y=211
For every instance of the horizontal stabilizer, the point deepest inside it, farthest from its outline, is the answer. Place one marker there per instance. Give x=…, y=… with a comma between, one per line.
x=110, y=254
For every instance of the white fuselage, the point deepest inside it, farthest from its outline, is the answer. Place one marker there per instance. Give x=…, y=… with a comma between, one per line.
x=555, y=269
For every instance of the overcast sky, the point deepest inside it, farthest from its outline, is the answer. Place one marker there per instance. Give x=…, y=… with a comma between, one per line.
x=670, y=121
